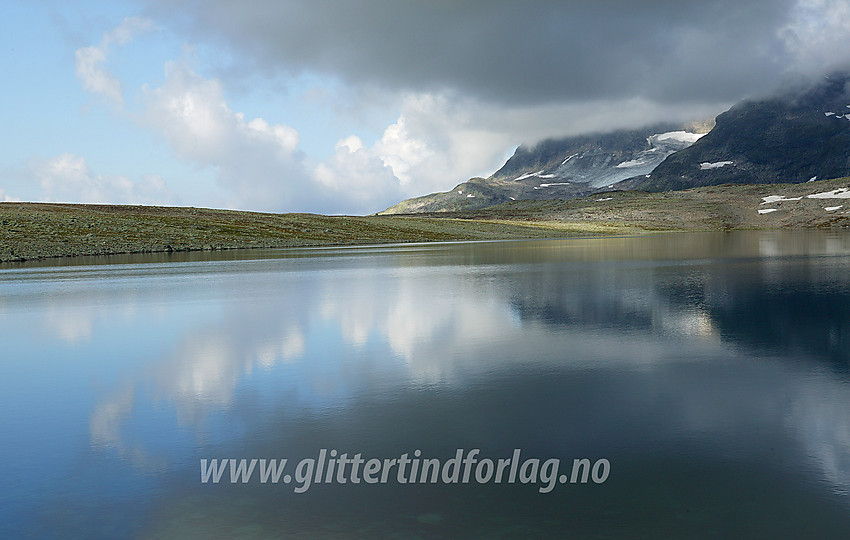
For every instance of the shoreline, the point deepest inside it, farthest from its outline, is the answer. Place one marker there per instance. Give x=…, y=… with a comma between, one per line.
x=40, y=231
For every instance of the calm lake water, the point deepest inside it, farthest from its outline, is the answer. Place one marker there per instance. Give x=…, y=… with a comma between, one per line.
x=709, y=370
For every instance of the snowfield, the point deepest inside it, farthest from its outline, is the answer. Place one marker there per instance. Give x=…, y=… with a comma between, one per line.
x=778, y=198
x=528, y=175
x=840, y=193
x=717, y=165
x=630, y=163
x=682, y=136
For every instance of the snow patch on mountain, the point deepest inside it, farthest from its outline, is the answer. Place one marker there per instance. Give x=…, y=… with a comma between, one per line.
x=681, y=136
x=528, y=175
x=778, y=198
x=716, y=165
x=840, y=193
x=631, y=163
x=604, y=166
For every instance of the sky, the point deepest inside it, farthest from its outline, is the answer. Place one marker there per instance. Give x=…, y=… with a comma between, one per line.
x=347, y=107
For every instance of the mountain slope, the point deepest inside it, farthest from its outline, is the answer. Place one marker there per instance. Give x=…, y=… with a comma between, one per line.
x=795, y=136
x=792, y=137
x=598, y=160
x=562, y=169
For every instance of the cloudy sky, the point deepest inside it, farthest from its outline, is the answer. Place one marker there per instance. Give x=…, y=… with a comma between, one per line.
x=350, y=106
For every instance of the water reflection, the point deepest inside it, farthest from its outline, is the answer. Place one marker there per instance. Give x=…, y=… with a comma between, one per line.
x=693, y=352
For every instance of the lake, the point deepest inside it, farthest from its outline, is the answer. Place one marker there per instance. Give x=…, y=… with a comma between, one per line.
x=703, y=378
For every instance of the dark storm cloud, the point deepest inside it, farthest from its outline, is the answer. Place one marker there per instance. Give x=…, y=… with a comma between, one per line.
x=510, y=52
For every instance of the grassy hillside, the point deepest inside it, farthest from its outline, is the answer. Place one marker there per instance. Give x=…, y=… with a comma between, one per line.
x=39, y=230
x=708, y=208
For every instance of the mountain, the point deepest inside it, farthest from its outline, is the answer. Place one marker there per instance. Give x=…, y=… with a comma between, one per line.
x=563, y=168
x=797, y=135
x=791, y=137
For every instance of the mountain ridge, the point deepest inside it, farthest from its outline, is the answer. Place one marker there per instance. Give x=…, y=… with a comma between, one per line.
x=799, y=134
x=794, y=137
x=566, y=167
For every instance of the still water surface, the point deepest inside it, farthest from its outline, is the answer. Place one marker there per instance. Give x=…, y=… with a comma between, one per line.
x=710, y=370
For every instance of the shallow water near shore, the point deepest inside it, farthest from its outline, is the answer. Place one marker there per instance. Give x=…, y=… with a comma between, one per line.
x=709, y=370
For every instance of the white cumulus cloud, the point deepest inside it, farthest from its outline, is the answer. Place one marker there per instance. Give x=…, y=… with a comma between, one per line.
x=359, y=176
x=257, y=162
x=68, y=178
x=90, y=61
